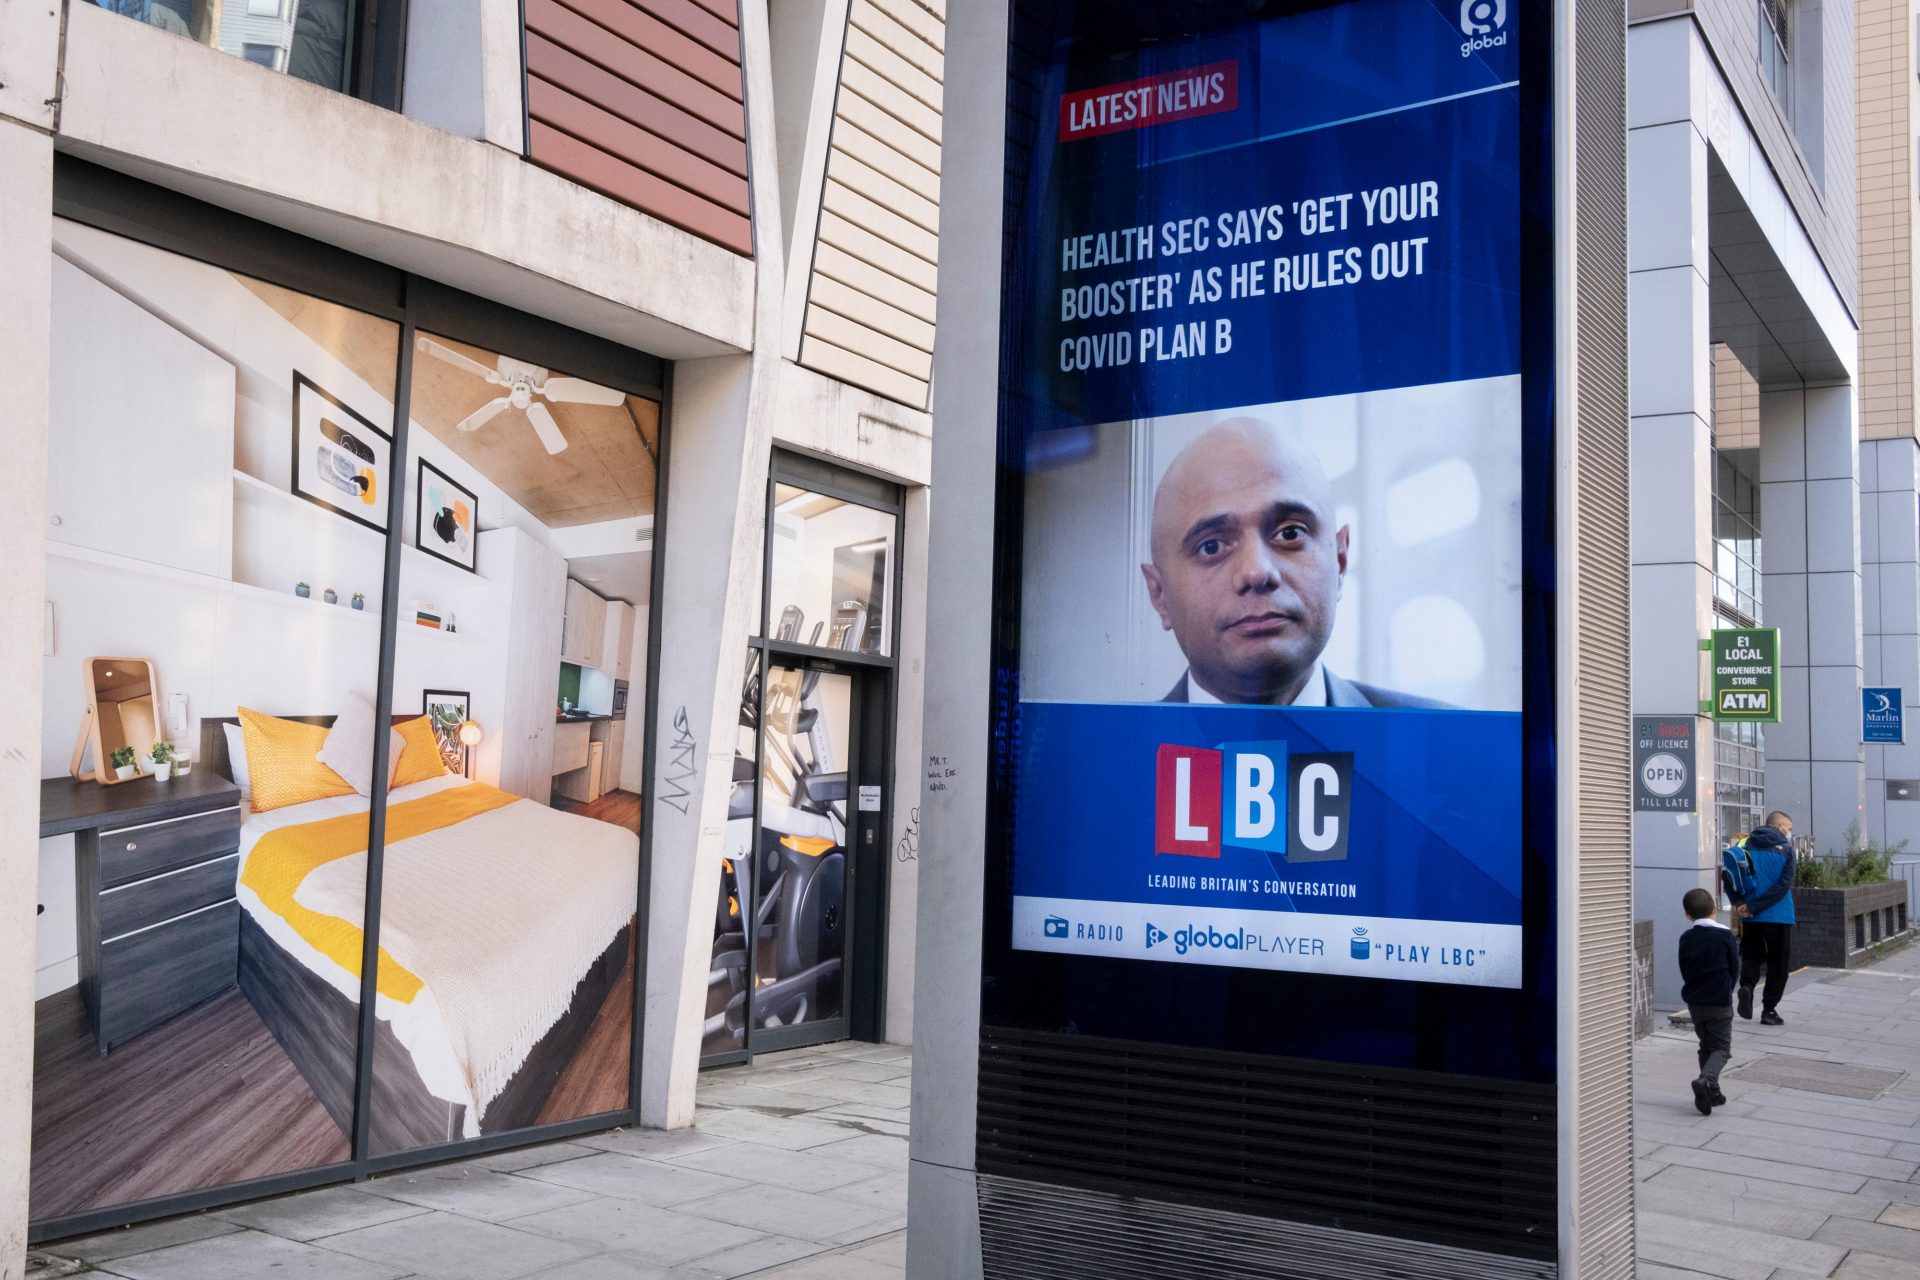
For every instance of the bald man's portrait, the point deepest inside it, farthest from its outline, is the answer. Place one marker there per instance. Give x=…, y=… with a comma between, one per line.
x=1247, y=570
x=1355, y=550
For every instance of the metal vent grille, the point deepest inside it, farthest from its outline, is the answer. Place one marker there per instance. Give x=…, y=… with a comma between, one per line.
x=1037, y=1231
x=1601, y=1163
x=1444, y=1159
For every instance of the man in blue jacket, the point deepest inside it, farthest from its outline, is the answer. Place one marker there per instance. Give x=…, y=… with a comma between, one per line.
x=1766, y=915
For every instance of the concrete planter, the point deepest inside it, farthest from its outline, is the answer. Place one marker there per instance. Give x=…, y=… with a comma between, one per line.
x=1838, y=928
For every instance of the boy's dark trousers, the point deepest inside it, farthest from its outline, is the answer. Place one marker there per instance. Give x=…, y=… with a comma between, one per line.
x=1713, y=1024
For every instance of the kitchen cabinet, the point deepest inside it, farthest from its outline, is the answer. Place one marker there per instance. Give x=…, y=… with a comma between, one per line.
x=519, y=752
x=616, y=640
x=570, y=745
x=582, y=633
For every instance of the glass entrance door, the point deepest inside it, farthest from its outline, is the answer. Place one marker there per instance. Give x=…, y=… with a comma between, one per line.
x=784, y=950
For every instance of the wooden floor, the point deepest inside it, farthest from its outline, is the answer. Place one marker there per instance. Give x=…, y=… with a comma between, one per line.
x=597, y=1079
x=206, y=1099
x=621, y=808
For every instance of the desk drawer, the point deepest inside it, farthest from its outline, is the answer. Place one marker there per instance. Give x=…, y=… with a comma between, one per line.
x=135, y=853
x=174, y=893
x=148, y=977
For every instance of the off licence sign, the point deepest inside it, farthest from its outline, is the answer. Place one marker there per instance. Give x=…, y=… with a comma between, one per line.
x=1746, y=674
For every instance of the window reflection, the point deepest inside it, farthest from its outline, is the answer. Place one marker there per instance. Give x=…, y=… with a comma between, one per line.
x=309, y=40
x=832, y=572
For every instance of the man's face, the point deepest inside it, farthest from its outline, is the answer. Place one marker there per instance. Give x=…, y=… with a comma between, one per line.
x=1247, y=564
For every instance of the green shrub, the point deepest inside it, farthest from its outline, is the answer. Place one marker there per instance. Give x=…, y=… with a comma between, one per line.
x=163, y=753
x=1853, y=863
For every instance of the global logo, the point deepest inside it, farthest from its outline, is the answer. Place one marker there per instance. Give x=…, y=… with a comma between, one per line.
x=1480, y=20
x=1155, y=934
x=1360, y=947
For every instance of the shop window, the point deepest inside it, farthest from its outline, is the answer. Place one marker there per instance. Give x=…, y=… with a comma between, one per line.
x=524, y=588
x=232, y=468
x=831, y=572
x=219, y=456
x=325, y=42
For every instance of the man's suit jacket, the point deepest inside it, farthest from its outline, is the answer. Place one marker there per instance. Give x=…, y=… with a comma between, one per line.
x=1341, y=692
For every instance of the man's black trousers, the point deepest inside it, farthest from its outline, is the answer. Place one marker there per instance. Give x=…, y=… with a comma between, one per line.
x=1764, y=944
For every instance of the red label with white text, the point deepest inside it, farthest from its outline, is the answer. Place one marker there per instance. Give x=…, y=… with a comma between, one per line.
x=1135, y=104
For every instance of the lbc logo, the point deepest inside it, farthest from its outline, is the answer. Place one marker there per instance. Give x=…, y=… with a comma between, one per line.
x=1252, y=795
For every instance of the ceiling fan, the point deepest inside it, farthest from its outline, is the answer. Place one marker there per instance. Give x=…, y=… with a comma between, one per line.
x=523, y=382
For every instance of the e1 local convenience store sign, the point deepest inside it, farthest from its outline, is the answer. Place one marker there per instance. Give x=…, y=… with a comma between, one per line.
x=1746, y=674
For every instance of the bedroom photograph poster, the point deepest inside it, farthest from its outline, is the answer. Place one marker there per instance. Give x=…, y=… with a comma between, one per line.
x=354, y=887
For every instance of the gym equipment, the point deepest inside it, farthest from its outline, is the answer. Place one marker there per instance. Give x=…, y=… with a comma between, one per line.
x=784, y=894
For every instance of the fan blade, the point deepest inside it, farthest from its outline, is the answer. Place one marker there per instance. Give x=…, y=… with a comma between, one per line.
x=457, y=360
x=484, y=414
x=580, y=391
x=545, y=427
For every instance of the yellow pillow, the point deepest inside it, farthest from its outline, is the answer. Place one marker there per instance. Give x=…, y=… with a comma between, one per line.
x=281, y=764
x=420, y=759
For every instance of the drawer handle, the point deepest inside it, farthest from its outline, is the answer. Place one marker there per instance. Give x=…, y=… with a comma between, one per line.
x=131, y=846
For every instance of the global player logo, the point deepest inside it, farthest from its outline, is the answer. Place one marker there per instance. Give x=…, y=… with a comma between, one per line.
x=1479, y=21
x=1252, y=795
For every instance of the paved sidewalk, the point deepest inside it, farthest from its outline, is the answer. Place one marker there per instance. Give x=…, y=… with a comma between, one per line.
x=796, y=1168
x=1810, y=1168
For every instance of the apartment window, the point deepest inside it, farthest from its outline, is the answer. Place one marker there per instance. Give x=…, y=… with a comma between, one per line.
x=1774, y=46
x=348, y=45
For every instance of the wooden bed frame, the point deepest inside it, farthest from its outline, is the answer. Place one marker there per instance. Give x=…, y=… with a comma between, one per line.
x=319, y=1029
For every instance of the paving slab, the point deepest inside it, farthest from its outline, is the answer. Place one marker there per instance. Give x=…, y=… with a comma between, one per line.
x=448, y=1246
x=144, y=1238
x=249, y=1255
x=311, y=1215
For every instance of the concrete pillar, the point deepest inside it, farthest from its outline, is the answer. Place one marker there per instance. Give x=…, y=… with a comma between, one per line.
x=26, y=232
x=722, y=412
x=1890, y=616
x=1810, y=546
x=1671, y=400
x=903, y=866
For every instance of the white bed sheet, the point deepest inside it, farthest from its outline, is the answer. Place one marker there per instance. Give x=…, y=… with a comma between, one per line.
x=500, y=916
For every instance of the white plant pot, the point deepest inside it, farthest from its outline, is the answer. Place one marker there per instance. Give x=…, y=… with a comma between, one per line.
x=162, y=771
x=123, y=771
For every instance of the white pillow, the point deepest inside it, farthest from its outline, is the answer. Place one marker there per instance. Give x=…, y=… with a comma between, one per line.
x=237, y=756
x=348, y=750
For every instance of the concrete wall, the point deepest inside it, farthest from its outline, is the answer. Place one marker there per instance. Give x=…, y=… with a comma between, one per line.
x=26, y=228
x=1818, y=178
x=943, y=1238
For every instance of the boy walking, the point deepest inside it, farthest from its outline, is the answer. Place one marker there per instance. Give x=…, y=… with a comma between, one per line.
x=1709, y=970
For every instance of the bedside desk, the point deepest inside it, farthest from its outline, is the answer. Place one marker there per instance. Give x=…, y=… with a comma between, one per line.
x=154, y=871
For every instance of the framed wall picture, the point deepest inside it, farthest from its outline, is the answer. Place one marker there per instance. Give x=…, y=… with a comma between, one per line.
x=446, y=710
x=341, y=461
x=446, y=518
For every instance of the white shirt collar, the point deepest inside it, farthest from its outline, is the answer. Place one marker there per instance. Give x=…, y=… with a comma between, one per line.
x=1312, y=694
x=1711, y=922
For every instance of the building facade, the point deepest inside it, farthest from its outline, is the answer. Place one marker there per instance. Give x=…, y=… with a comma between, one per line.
x=1752, y=495
x=547, y=385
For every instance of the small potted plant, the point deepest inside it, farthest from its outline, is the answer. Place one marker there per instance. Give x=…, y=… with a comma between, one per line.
x=123, y=763
x=162, y=761
x=302, y=590
x=330, y=597
x=359, y=599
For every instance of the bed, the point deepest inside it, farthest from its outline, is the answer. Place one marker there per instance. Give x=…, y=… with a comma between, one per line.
x=504, y=926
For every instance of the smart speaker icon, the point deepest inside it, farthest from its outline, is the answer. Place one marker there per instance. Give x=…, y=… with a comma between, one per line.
x=1360, y=947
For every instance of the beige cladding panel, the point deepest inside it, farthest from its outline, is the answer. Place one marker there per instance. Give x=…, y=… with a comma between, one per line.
x=870, y=292
x=1885, y=91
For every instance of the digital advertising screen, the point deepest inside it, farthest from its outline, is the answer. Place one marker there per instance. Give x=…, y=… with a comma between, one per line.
x=1274, y=633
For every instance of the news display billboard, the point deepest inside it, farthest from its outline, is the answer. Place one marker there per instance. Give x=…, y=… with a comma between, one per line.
x=1274, y=587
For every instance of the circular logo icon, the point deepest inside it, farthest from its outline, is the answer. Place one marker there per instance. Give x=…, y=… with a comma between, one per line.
x=1663, y=774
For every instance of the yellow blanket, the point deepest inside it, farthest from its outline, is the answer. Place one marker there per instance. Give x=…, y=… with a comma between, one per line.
x=283, y=858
